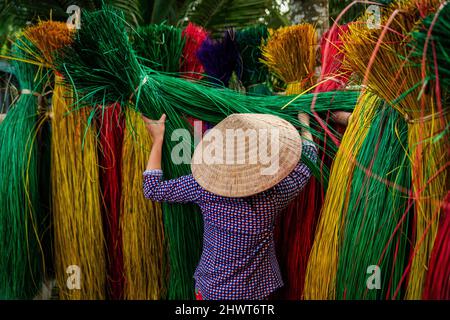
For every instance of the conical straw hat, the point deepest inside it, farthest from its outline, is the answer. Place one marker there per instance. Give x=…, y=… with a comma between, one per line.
x=246, y=154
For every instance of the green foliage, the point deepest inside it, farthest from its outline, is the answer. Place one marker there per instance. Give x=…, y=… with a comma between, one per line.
x=218, y=15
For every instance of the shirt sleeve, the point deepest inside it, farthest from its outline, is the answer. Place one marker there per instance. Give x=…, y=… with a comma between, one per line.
x=181, y=190
x=290, y=186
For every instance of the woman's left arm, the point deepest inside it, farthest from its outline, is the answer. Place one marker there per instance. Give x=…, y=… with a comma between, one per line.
x=182, y=190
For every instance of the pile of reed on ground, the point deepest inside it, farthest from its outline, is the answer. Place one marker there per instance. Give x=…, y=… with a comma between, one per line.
x=191, y=67
x=110, y=135
x=77, y=217
x=141, y=219
x=253, y=73
x=375, y=228
x=290, y=53
x=437, y=284
x=21, y=256
x=159, y=47
x=385, y=58
x=320, y=276
x=219, y=58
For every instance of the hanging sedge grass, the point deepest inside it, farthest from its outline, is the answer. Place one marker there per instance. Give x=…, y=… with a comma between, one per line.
x=79, y=239
x=323, y=259
x=110, y=137
x=141, y=220
x=219, y=57
x=438, y=44
x=437, y=285
x=21, y=255
x=159, y=46
x=77, y=220
x=179, y=228
x=290, y=54
x=386, y=60
x=253, y=73
x=375, y=228
x=194, y=36
x=101, y=65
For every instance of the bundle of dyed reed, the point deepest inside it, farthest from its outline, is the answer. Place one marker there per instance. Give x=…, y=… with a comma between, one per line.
x=375, y=229
x=159, y=46
x=437, y=284
x=253, y=73
x=111, y=124
x=21, y=256
x=185, y=228
x=333, y=76
x=193, y=36
x=323, y=259
x=219, y=57
x=77, y=218
x=141, y=219
x=98, y=77
x=384, y=57
x=110, y=71
x=432, y=37
x=290, y=54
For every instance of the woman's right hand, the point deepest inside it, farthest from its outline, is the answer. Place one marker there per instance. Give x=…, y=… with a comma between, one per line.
x=156, y=128
x=303, y=118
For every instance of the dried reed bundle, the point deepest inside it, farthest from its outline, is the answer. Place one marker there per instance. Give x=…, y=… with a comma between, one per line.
x=159, y=46
x=253, y=74
x=194, y=36
x=437, y=285
x=141, y=220
x=375, y=229
x=21, y=253
x=110, y=123
x=323, y=259
x=290, y=53
x=77, y=218
x=103, y=67
x=385, y=58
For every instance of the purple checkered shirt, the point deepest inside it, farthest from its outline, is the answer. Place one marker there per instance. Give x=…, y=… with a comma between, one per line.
x=238, y=259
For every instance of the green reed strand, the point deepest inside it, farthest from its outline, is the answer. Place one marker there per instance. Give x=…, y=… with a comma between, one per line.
x=374, y=211
x=21, y=264
x=252, y=72
x=159, y=46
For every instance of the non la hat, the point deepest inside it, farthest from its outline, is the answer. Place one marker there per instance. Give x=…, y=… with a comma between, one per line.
x=252, y=176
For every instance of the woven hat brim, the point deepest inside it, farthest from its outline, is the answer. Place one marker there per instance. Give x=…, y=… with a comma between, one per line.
x=243, y=180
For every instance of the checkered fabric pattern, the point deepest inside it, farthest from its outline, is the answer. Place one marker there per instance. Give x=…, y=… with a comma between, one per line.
x=238, y=259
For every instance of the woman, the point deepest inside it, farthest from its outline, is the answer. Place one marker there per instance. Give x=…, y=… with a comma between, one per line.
x=239, y=201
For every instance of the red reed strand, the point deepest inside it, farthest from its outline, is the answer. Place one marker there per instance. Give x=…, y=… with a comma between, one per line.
x=111, y=138
x=194, y=36
x=437, y=283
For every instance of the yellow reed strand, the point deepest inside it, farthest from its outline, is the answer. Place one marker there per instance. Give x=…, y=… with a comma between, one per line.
x=391, y=75
x=322, y=264
x=290, y=53
x=427, y=156
x=141, y=220
x=78, y=230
